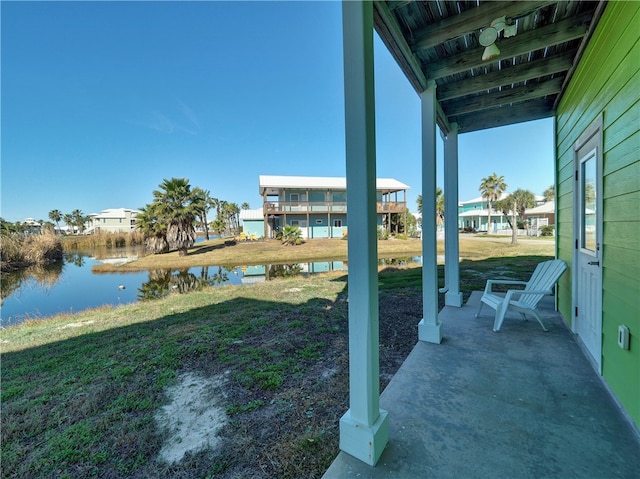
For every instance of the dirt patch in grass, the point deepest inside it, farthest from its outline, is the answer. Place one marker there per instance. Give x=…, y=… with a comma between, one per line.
x=194, y=416
x=290, y=429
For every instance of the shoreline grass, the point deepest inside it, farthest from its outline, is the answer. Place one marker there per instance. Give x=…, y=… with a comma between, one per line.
x=80, y=391
x=21, y=251
x=102, y=239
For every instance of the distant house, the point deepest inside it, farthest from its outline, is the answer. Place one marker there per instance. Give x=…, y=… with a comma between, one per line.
x=115, y=220
x=541, y=215
x=252, y=222
x=474, y=214
x=318, y=205
x=31, y=226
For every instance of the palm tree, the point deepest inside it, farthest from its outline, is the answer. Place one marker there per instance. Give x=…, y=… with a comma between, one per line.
x=518, y=202
x=229, y=213
x=491, y=189
x=523, y=199
x=549, y=193
x=234, y=209
x=79, y=219
x=154, y=229
x=216, y=203
x=56, y=216
x=245, y=206
x=439, y=205
x=69, y=220
x=218, y=226
x=203, y=202
x=176, y=207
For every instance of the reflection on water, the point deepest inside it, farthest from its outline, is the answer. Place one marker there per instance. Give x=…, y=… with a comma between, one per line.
x=165, y=281
x=43, y=277
x=71, y=286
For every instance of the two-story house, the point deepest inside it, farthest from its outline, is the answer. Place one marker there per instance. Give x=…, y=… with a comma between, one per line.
x=114, y=220
x=318, y=205
x=474, y=214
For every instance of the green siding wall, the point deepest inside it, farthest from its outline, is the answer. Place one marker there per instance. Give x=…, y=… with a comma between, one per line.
x=607, y=82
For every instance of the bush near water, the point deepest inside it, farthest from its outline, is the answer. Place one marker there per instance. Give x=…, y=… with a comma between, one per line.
x=17, y=250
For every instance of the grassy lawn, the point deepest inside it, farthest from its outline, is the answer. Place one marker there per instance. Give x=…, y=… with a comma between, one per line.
x=81, y=394
x=216, y=252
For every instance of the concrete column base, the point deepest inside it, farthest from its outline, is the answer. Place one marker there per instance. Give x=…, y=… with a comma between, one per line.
x=453, y=299
x=362, y=441
x=429, y=332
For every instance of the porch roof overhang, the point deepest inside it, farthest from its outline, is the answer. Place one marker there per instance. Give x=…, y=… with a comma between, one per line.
x=439, y=41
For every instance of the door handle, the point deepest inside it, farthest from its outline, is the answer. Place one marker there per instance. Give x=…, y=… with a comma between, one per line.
x=594, y=263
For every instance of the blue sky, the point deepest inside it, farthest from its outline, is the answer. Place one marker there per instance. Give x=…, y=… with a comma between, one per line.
x=103, y=100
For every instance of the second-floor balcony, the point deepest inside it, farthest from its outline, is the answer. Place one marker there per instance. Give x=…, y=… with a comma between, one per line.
x=283, y=207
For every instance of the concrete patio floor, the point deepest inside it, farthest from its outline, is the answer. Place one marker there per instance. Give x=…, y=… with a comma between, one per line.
x=520, y=403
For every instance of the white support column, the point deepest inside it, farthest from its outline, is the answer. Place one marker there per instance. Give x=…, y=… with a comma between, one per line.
x=429, y=328
x=364, y=428
x=453, y=296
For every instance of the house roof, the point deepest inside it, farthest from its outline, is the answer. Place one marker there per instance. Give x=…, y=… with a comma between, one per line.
x=114, y=213
x=480, y=199
x=440, y=42
x=545, y=208
x=477, y=212
x=272, y=184
x=248, y=215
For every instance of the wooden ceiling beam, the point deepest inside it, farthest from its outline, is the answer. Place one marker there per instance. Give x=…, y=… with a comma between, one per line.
x=526, y=42
x=393, y=5
x=536, y=110
x=471, y=21
x=506, y=97
x=507, y=76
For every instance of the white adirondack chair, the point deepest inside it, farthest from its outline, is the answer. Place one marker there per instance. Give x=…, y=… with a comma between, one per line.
x=525, y=300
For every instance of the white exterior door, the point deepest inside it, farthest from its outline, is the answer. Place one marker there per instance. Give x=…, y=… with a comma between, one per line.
x=587, y=276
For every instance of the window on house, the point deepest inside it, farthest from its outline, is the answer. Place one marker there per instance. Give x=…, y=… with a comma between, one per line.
x=337, y=223
x=318, y=222
x=295, y=197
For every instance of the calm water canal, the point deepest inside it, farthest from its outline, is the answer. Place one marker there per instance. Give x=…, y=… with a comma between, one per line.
x=72, y=286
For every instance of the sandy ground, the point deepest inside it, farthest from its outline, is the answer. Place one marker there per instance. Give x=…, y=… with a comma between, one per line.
x=194, y=416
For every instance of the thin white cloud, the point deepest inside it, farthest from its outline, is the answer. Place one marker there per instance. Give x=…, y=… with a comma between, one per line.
x=190, y=115
x=186, y=122
x=160, y=122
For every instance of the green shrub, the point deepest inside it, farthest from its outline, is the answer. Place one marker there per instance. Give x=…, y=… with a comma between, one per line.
x=291, y=235
x=547, y=230
x=383, y=234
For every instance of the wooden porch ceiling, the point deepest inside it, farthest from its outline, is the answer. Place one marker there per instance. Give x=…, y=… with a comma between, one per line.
x=438, y=41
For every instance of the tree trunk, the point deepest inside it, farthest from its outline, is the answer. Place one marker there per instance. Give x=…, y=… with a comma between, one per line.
x=514, y=227
x=206, y=226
